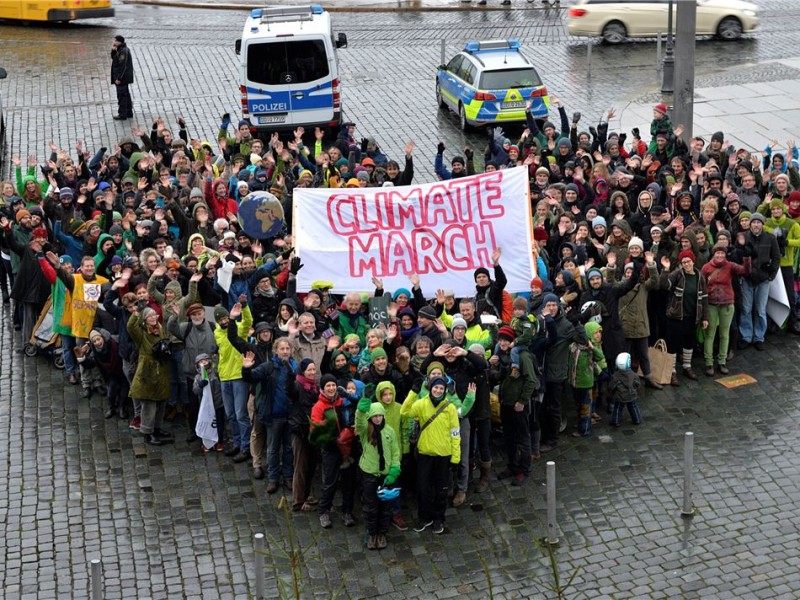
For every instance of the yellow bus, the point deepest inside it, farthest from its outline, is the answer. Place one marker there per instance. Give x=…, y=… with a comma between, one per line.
x=55, y=10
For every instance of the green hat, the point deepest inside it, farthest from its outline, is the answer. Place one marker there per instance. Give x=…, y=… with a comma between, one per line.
x=376, y=408
x=220, y=312
x=776, y=204
x=379, y=353
x=745, y=214
x=434, y=365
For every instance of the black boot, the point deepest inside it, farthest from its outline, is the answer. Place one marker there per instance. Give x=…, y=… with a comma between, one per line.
x=152, y=439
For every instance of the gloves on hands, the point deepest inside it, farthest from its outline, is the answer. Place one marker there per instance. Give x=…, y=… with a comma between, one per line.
x=295, y=265
x=391, y=477
x=440, y=148
x=363, y=404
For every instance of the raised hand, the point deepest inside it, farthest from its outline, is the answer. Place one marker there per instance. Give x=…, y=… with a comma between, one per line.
x=665, y=262
x=248, y=359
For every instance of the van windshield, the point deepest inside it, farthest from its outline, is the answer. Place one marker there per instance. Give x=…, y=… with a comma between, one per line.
x=509, y=78
x=287, y=62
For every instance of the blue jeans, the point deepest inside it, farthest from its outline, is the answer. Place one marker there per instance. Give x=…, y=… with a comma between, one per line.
x=279, y=450
x=754, y=297
x=178, y=392
x=67, y=347
x=583, y=406
x=234, y=397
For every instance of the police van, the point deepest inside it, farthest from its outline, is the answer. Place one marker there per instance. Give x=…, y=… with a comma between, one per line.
x=289, y=75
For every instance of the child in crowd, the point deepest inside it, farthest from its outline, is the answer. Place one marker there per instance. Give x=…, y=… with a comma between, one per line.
x=207, y=375
x=380, y=467
x=624, y=387
x=585, y=361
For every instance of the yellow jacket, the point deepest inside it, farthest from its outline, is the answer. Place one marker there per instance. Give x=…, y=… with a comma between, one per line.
x=443, y=436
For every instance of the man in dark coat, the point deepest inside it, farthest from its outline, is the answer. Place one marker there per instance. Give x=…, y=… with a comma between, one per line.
x=122, y=77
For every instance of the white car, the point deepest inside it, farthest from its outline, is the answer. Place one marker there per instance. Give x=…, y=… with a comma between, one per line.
x=615, y=21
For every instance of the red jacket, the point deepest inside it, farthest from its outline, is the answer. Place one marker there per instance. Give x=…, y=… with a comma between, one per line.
x=220, y=206
x=719, y=280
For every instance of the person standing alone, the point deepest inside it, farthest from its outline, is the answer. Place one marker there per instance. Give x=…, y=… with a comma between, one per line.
x=122, y=77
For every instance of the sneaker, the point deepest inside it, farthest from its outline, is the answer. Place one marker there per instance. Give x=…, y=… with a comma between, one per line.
x=136, y=423
x=380, y=542
x=515, y=372
x=399, y=523
x=518, y=480
x=438, y=527
x=545, y=448
x=348, y=520
x=724, y=369
x=372, y=542
x=325, y=520
x=710, y=371
x=219, y=447
x=422, y=526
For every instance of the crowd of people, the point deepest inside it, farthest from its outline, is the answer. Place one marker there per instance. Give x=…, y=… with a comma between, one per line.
x=159, y=295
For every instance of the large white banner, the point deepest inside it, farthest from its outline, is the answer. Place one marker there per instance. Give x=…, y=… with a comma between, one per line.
x=440, y=231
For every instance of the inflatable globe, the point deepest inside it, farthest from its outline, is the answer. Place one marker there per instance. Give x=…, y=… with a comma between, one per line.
x=261, y=215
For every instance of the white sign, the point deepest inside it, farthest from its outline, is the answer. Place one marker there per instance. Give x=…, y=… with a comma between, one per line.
x=207, y=420
x=440, y=231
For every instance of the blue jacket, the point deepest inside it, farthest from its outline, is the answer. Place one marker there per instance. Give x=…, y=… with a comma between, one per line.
x=72, y=246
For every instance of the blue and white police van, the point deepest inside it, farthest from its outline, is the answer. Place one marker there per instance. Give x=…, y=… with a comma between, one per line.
x=289, y=75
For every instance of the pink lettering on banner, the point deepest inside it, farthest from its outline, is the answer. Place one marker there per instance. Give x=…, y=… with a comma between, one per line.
x=420, y=229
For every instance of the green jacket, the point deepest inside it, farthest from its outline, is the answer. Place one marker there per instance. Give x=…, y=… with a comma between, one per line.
x=791, y=232
x=585, y=360
x=443, y=436
x=230, y=360
x=344, y=328
x=400, y=425
x=519, y=389
x=475, y=333
x=151, y=380
x=370, y=459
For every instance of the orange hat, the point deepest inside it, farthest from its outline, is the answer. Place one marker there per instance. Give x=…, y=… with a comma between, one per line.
x=353, y=183
x=367, y=161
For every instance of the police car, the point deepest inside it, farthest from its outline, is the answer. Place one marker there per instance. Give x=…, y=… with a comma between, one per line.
x=491, y=82
x=289, y=75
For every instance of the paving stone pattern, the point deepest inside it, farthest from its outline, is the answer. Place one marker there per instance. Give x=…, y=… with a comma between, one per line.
x=175, y=523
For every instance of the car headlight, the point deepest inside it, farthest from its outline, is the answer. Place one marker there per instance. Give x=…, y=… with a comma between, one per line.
x=749, y=13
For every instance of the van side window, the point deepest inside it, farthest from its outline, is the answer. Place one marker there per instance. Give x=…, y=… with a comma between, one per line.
x=286, y=63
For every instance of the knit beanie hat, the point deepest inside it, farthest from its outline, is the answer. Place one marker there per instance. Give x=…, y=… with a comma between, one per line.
x=378, y=353
x=745, y=214
x=427, y=311
x=506, y=333
x=326, y=379
x=686, y=254
x=304, y=364
x=537, y=283
x=550, y=298
x=220, y=312
x=593, y=272
x=598, y=220
x=480, y=271
x=757, y=216
x=635, y=241
x=434, y=365
x=458, y=322
x=718, y=248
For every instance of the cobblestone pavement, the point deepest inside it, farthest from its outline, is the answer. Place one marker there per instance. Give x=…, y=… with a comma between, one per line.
x=174, y=523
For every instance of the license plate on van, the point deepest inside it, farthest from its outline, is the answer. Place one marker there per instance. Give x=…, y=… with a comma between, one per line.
x=272, y=119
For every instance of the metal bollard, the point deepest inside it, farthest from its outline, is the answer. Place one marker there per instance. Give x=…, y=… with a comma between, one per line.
x=258, y=565
x=97, y=579
x=688, y=465
x=443, y=50
x=552, y=528
x=589, y=58
x=658, y=52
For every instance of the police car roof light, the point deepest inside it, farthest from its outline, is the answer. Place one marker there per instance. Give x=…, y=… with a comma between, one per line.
x=255, y=13
x=510, y=44
x=289, y=13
